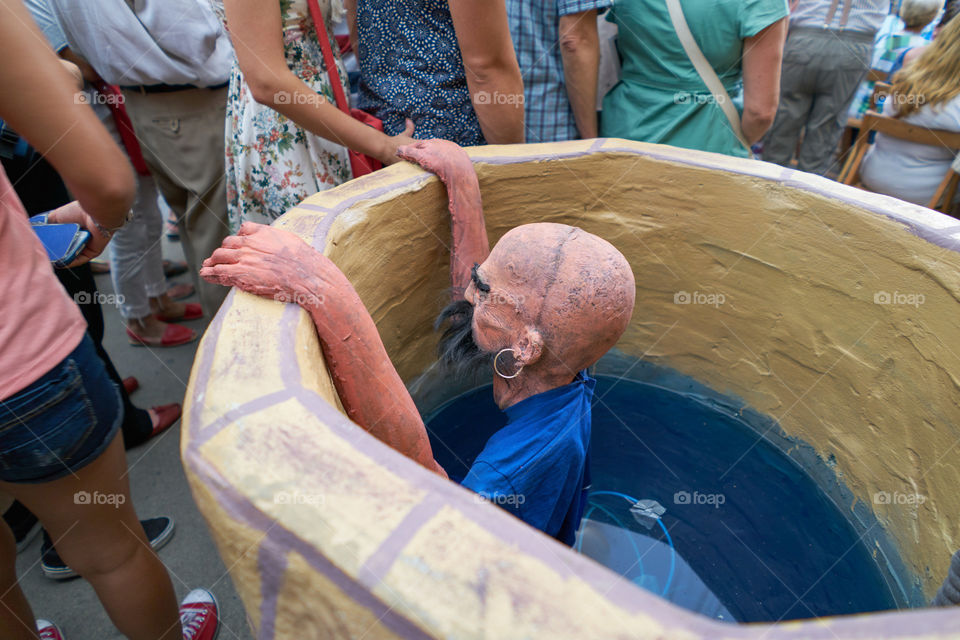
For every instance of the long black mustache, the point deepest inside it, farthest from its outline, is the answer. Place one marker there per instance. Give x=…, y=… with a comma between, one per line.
x=457, y=349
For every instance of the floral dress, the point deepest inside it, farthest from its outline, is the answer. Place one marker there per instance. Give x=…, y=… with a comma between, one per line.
x=272, y=164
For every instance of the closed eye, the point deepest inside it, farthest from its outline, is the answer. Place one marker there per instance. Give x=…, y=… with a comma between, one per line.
x=477, y=282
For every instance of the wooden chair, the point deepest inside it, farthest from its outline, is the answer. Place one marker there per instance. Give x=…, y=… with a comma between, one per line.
x=880, y=88
x=874, y=122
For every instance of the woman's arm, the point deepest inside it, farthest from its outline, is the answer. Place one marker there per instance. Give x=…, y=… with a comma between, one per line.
x=39, y=101
x=762, y=55
x=580, y=51
x=493, y=75
x=257, y=35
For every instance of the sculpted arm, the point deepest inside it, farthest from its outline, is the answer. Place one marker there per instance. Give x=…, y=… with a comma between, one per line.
x=273, y=263
x=452, y=165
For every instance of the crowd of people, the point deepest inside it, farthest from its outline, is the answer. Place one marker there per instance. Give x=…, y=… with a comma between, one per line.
x=233, y=111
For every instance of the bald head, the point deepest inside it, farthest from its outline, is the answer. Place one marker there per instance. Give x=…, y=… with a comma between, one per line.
x=576, y=289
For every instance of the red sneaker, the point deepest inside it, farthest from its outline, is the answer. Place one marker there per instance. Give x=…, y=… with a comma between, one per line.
x=198, y=616
x=48, y=631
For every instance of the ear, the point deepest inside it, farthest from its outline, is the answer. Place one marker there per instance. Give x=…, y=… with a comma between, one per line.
x=529, y=346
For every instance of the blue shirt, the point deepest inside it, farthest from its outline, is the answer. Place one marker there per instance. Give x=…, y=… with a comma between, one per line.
x=43, y=15
x=536, y=467
x=410, y=67
x=535, y=29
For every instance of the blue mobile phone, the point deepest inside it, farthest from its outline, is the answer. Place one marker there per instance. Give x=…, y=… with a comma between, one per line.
x=62, y=242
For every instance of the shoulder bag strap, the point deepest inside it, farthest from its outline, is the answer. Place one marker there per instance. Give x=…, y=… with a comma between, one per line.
x=704, y=70
x=328, y=60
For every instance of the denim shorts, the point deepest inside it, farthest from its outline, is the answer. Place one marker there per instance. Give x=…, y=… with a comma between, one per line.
x=60, y=423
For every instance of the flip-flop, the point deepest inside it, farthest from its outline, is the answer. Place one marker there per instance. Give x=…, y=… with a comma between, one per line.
x=173, y=336
x=192, y=311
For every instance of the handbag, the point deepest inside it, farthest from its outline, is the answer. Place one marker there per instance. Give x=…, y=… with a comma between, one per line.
x=360, y=163
x=704, y=70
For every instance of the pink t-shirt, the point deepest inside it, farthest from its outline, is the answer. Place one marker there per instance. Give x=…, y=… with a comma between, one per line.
x=39, y=324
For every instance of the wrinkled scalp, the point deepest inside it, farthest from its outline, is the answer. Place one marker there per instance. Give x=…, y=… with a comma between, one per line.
x=581, y=288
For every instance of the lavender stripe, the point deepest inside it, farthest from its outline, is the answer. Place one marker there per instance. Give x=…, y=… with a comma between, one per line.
x=241, y=509
x=287, y=333
x=204, y=361
x=380, y=561
x=320, y=233
x=271, y=565
x=313, y=207
x=202, y=436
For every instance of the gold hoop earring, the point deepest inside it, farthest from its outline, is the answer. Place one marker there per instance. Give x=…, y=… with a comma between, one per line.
x=497, y=370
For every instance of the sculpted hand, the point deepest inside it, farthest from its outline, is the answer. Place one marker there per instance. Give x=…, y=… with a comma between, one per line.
x=268, y=262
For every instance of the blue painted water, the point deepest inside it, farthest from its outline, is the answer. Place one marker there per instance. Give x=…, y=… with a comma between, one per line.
x=745, y=534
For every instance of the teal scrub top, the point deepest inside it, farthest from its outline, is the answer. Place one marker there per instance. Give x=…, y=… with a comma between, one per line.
x=660, y=97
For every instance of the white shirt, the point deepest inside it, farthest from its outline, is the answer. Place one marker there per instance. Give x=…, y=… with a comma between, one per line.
x=908, y=170
x=154, y=42
x=862, y=15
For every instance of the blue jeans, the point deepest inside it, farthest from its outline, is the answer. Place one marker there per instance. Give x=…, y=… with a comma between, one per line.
x=60, y=423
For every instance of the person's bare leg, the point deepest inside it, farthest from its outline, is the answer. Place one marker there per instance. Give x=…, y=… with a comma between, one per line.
x=168, y=306
x=91, y=520
x=148, y=327
x=16, y=618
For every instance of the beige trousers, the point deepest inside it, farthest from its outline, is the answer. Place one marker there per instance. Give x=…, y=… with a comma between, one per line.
x=181, y=136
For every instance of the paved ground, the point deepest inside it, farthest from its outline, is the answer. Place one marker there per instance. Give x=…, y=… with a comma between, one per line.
x=159, y=487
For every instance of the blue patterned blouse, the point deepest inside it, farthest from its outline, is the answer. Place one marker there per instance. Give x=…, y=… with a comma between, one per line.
x=410, y=67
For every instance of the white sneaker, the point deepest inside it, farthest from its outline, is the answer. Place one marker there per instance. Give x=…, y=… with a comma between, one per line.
x=48, y=631
x=198, y=616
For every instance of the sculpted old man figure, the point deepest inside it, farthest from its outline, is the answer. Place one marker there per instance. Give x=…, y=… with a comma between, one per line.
x=540, y=308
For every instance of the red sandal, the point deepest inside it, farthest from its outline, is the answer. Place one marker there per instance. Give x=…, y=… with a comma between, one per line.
x=164, y=415
x=173, y=336
x=191, y=311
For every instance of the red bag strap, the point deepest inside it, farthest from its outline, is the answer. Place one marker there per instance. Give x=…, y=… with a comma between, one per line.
x=114, y=100
x=329, y=61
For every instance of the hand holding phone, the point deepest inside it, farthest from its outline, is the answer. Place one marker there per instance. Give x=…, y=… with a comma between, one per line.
x=74, y=213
